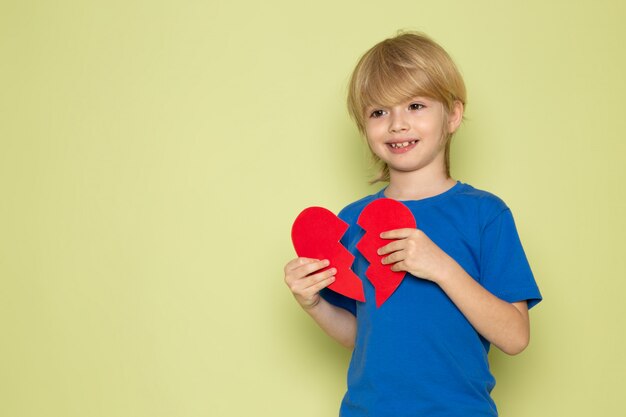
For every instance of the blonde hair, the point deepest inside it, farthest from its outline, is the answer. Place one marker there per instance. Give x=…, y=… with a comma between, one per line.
x=399, y=69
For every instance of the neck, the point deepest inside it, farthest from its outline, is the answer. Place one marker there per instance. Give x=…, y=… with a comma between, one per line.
x=417, y=185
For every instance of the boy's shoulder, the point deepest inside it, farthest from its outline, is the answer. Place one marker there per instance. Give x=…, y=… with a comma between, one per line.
x=484, y=198
x=462, y=197
x=484, y=205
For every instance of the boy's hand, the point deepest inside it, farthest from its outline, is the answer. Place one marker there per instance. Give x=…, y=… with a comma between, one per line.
x=414, y=253
x=305, y=283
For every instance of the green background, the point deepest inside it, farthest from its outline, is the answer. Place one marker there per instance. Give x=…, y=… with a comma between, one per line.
x=154, y=154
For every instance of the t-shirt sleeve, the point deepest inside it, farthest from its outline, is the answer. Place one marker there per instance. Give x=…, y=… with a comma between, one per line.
x=339, y=300
x=505, y=271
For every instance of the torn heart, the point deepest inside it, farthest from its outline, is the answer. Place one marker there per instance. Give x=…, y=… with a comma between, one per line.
x=379, y=216
x=316, y=233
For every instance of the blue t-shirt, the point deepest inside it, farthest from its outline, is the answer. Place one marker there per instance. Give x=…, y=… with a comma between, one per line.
x=417, y=355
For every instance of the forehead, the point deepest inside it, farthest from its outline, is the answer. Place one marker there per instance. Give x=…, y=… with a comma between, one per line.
x=390, y=86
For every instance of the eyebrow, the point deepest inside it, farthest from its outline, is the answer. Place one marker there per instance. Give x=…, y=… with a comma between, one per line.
x=410, y=100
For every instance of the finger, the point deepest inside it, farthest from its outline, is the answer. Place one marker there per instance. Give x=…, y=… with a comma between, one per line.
x=312, y=281
x=297, y=262
x=310, y=267
x=397, y=234
x=398, y=266
x=394, y=246
x=303, y=268
x=306, y=287
x=322, y=284
x=394, y=257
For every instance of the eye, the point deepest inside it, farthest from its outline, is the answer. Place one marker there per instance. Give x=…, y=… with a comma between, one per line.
x=377, y=113
x=416, y=106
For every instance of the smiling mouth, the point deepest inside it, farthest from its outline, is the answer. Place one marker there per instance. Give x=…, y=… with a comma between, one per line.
x=400, y=145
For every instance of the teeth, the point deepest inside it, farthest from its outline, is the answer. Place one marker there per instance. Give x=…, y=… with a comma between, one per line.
x=403, y=144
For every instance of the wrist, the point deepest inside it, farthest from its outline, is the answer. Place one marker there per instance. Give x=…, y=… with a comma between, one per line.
x=311, y=306
x=449, y=269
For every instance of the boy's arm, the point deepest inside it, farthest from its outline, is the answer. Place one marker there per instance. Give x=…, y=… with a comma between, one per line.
x=338, y=323
x=504, y=324
x=305, y=283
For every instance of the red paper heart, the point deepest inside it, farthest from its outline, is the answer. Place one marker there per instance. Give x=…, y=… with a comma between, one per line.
x=379, y=216
x=315, y=234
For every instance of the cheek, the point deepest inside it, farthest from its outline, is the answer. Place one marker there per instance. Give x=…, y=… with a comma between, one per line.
x=375, y=132
x=435, y=131
x=371, y=144
x=368, y=131
x=374, y=146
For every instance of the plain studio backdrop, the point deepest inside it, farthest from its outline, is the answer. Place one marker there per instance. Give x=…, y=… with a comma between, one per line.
x=153, y=155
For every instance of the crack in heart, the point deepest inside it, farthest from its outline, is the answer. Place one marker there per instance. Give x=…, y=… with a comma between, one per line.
x=316, y=233
x=380, y=216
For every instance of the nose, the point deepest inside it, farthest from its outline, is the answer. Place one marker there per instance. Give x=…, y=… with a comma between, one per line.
x=398, y=123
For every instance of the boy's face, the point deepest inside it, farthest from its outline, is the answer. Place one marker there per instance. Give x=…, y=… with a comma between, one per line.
x=409, y=136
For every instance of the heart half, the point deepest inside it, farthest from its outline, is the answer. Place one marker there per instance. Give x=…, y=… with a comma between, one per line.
x=379, y=216
x=316, y=233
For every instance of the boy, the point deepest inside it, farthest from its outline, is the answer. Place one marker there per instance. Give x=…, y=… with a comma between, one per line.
x=424, y=351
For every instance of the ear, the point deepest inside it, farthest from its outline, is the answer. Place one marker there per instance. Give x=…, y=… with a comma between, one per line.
x=455, y=117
